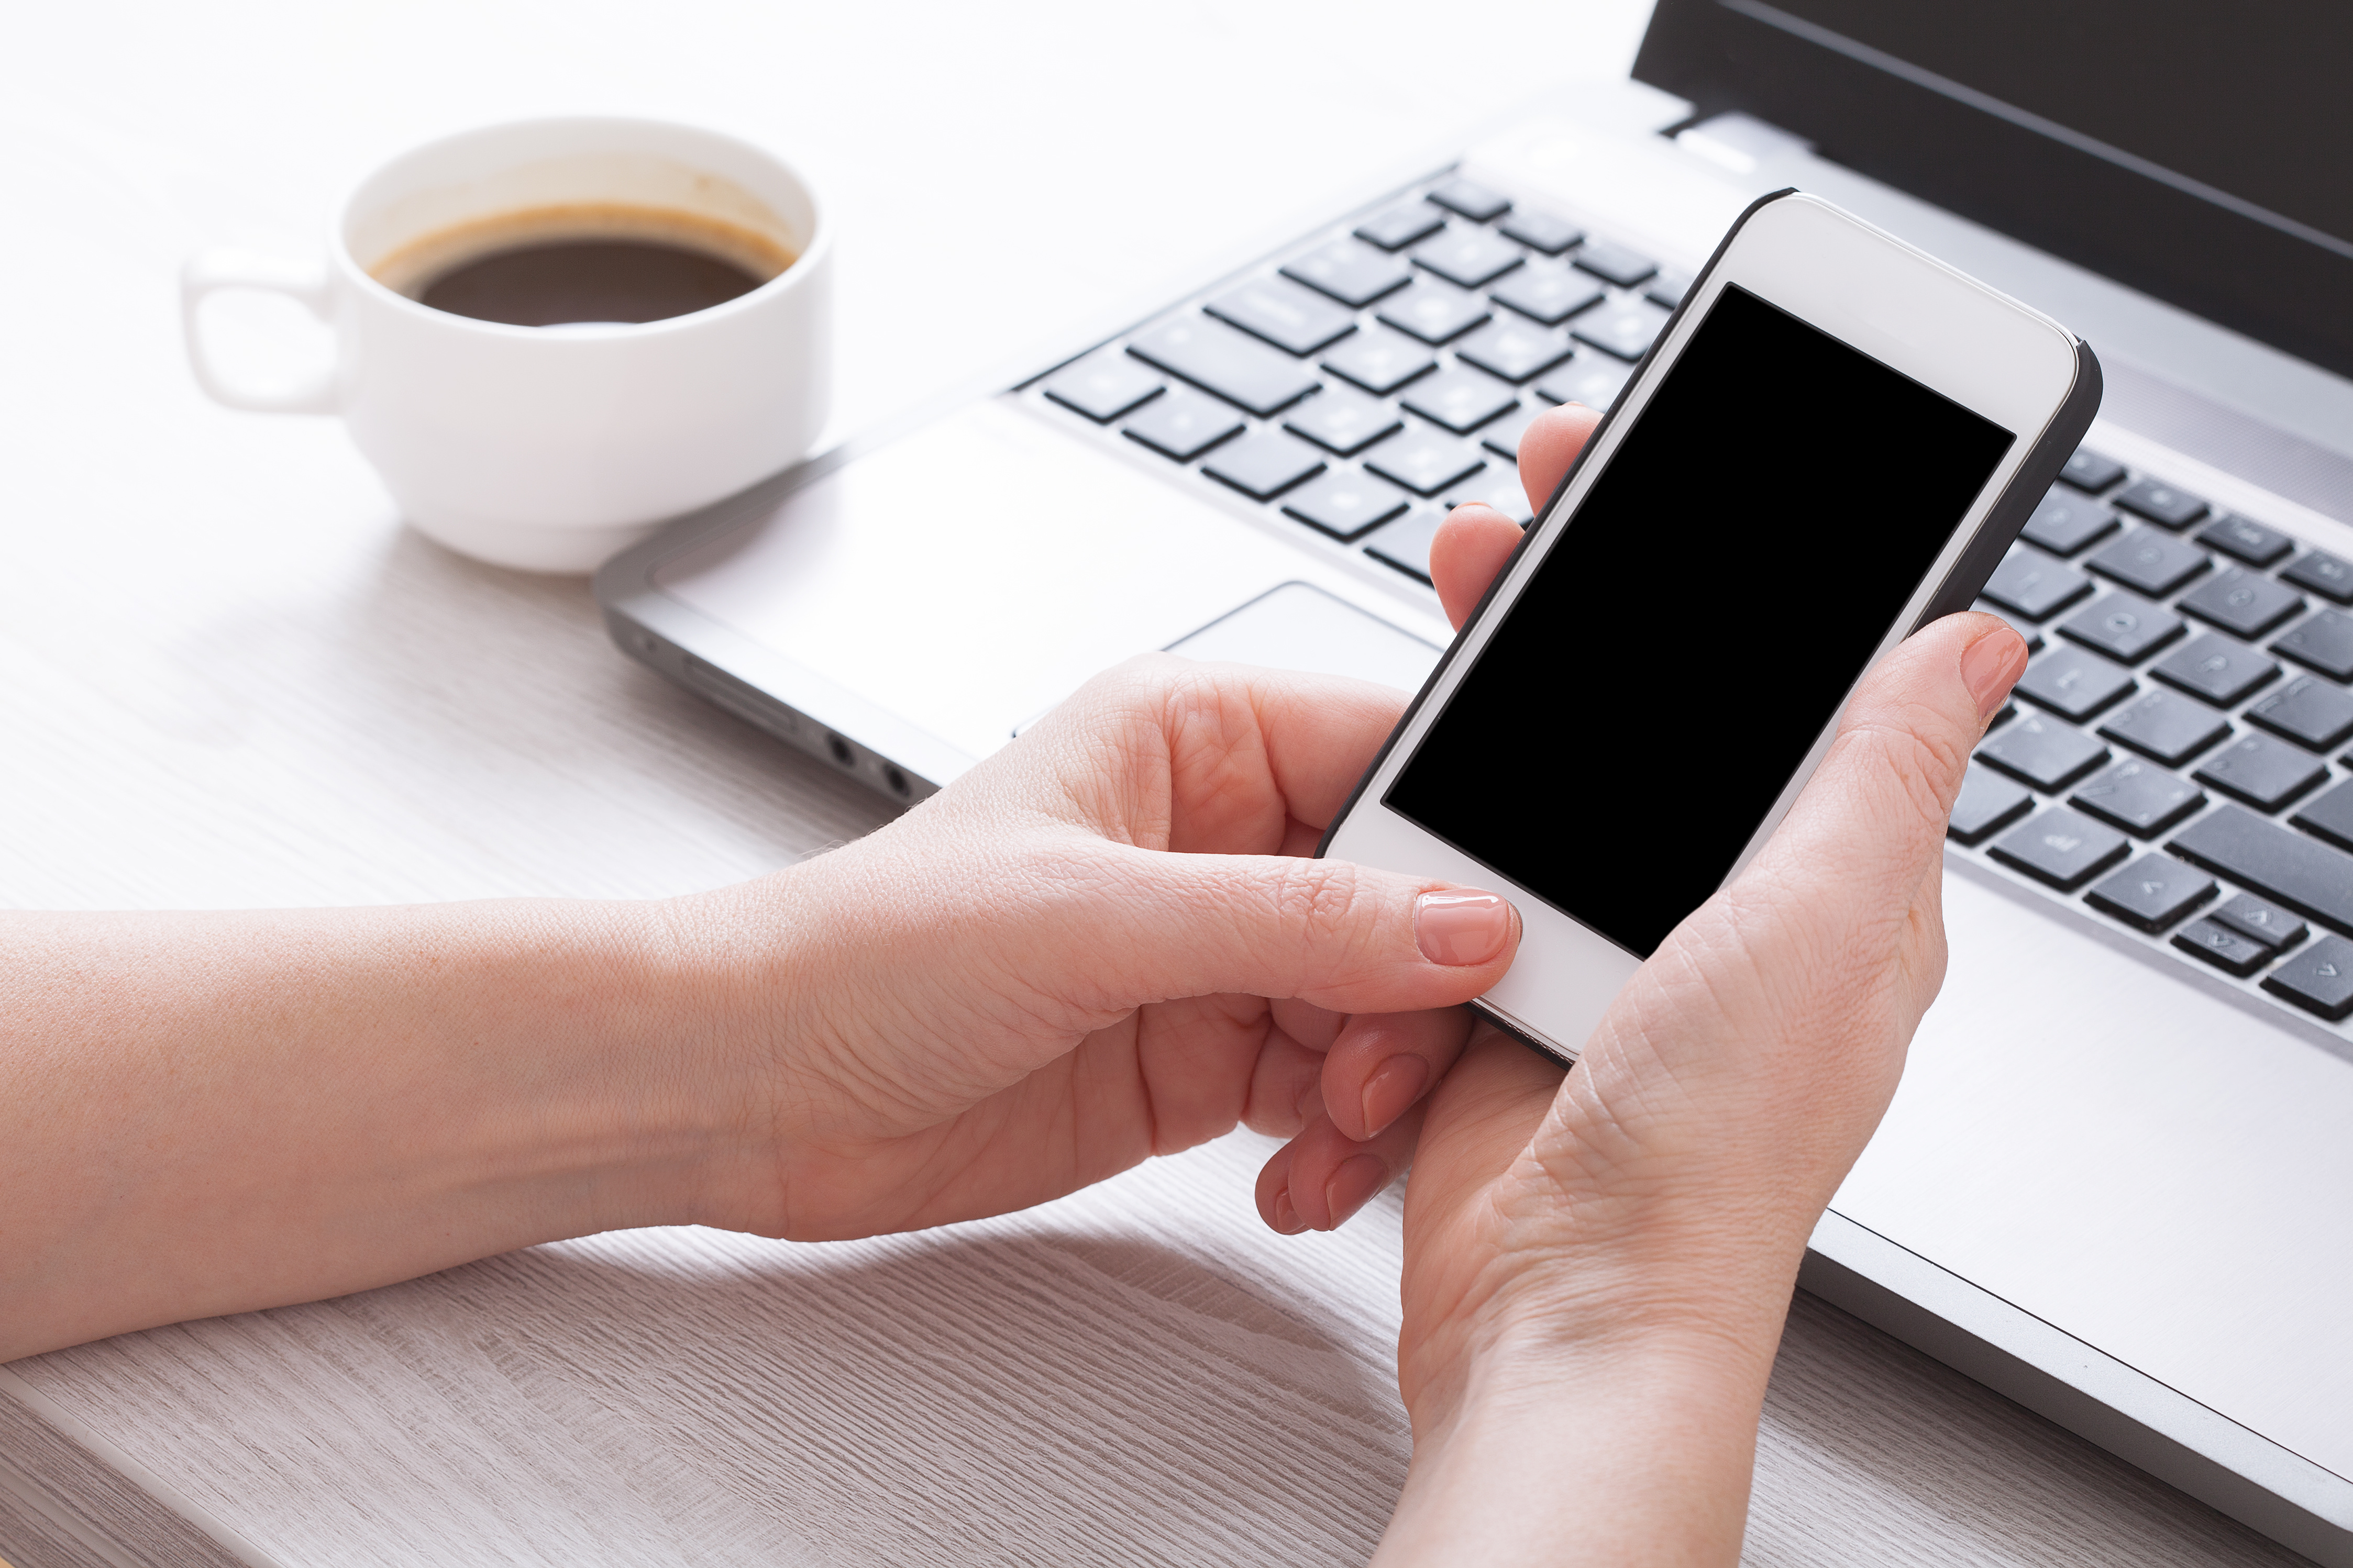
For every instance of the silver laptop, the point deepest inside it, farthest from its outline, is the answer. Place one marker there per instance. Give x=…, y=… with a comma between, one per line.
x=2118, y=1183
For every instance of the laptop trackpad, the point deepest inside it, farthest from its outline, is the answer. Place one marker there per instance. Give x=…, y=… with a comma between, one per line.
x=1299, y=626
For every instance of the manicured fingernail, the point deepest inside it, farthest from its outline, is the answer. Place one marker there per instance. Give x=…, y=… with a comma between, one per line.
x=1352, y=1187
x=1989, y=667
x=1286, y=1215
x=1391, y=1090
x=1461, y=928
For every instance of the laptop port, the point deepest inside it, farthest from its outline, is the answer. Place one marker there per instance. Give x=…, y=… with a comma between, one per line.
x=840, y=750
x=894, y=778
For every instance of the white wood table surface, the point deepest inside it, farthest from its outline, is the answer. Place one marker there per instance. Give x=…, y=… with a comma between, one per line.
x=229, y=677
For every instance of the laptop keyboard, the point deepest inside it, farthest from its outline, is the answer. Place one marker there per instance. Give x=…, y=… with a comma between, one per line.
x=2165, y=764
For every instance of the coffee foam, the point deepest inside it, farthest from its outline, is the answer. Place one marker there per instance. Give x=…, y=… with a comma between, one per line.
x=412, y=268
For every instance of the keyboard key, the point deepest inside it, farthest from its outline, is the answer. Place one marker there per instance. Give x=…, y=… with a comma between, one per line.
x=2016, y=622
x=2329, y=814
x=2087, y=470
x=2061, y=848
x=1433, y=312
x=2244, y=604
x=2305, y=874
x=2325, y=643
x=1381, y=362
x=1615, y=262
x=1626, y=328
x=1472, y=200
x=2324, y=574
x=1284, y=314
x=2125, y=626
x=2222, y=670
x=1471, y=257
x=2318, y=980
x=1103, y=386
x=1401, y=225
x=1345, y=504
x=2152, y=893
x=1462, y=399
x=1590, y=380
x=2064, y=524
x=1183, y=425
x=1514, y=350
x=1343, y=421
x=2225, y=949
x=1502, y=491
x=2150, y=562
x=1548, y=294
x=2264, y=772
x=1353, y=273
x=2161, y=503
x=1543, y=231
x=2032, y=583
x=1404, y=543
x=2138, y=797
x=1264, y=464
x=2260, y=920
x=1424, y=461
x=2166, y=725
x=2074, y=682
x=2042, y=752
x=1216, y=358
x=1988, y=804
x=1502, y=437
x=2250, y=541
x=1668, y=288
x=2309, y=710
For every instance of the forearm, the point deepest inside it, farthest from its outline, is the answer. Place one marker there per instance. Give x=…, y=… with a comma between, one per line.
x=208, y=1113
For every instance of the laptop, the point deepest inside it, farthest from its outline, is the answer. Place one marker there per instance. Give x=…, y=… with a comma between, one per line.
x=2117, y=1183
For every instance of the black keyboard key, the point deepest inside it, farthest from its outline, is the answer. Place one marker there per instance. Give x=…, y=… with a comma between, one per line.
x=2074, y=682
x=1183, y=425
x=1626, y=328
x=2150, y=562
x=1424, y=461
x=1472, y=199
x=1502, y=437
x=1988, y=804
x=2310, y=711
x=2260, y=920
x=1590, y=379
x=1381, y=362
x=1103, y=386
x=2222, y=670
x=2065, y=522
x=2324, y=574
x=2318, y=980
x=2044, y=752
x=1264, y=464
x=2087, y=470
x=2264, y=772
x=1615, y=262
x=1548, y=294
x=1434, y=312
x=2329, y=814
x=2137, y=797
x=2061, y=848
x=1460, y=399
x=1404, y=543
x=1345, y=504
x=2166, y=725
x=1216, y=358
x=1668, y=288
x=2305, y=874
x=1401, y=225
x=1503, y=491
x=2325, y=643
x=2125, y=626
x=2225, y=949
x=1353, y=273
x=1514, y=350
x=2016, y=622
x=2244, y=604
x=1542, y=231
x=2152, y=893
x=1470, y=258
x=2161, y=503
x=2250, y=541
x=1284, y=314
x=2032, y=583
x=1342, y=421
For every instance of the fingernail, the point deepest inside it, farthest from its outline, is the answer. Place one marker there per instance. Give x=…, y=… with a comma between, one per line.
x=1461, y=928
x=1391, y=1090
x=1989, y=667
x=1286, y=1214
x=1352, y=1187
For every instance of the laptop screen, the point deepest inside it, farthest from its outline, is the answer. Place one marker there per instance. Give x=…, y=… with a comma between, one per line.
x=2199, y=153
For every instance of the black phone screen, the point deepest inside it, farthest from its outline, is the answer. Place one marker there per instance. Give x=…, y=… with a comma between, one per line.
x=1625, y=731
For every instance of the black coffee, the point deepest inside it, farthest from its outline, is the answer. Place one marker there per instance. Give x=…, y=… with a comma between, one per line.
x=588, y=280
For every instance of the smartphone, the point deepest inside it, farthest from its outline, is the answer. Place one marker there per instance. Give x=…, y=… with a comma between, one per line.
x=1833, y=441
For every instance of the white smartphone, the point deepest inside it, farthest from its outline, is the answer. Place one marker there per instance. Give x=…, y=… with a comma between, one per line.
x=1832, y=442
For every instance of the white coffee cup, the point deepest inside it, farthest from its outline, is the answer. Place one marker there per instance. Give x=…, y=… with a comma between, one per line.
x=549, y=448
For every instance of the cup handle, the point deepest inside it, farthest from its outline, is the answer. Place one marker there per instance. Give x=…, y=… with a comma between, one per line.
x=209, y=271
